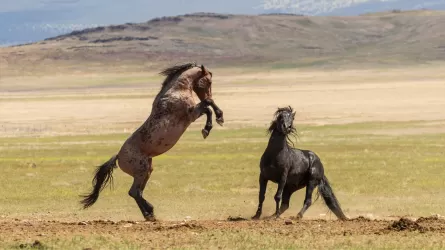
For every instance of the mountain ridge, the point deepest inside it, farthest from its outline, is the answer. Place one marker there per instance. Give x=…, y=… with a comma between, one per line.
x=24, y=21
x=388, y=38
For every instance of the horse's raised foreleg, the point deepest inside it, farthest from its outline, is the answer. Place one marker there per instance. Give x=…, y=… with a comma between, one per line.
x=206, y=131
x=201, y=109
x=197, y=111
x=140, y=180
x=218, y=111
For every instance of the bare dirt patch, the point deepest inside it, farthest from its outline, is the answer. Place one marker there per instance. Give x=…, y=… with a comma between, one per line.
x=36, y=233
x=405, y=224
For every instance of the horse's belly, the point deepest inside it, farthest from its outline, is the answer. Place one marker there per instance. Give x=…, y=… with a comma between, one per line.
x=163, y=140
x=297, y=180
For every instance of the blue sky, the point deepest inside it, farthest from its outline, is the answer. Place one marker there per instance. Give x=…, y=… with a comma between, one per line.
x=120, y=11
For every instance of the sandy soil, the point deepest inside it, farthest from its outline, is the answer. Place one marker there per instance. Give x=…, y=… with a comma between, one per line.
x=180, y=232
x=249, y=99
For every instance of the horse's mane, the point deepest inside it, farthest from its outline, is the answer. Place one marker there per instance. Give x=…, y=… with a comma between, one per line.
x=273, y=125
x=173, y=71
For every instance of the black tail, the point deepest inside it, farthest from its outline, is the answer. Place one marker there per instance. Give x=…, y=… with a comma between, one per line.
x=331, y=201
x=104, y=174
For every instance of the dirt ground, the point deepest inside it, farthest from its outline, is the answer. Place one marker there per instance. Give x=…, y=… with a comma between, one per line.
x=34, y=234
x=170, y=234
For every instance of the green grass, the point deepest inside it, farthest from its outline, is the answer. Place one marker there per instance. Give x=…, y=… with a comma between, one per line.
x=69, y=81
x=377, y=170
x=215, y=178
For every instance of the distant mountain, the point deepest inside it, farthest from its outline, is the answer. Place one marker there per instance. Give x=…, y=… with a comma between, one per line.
x=278, y=41
x=24, y=21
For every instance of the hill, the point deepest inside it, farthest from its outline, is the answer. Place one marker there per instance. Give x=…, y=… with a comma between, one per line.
x=32, y=21
x=389, y=38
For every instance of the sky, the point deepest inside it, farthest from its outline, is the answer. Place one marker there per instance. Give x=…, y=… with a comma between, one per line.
x=119, y=11
x=320, y=7
x=136, y=9
x=314, y=6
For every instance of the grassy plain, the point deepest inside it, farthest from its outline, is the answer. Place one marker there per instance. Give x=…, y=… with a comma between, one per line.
x=380, y=135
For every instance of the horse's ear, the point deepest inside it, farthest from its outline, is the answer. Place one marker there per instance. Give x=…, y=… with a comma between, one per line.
x=293, y=114
x=203, y=70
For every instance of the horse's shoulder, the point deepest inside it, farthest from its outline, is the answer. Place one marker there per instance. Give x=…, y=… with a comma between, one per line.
x=176, y=99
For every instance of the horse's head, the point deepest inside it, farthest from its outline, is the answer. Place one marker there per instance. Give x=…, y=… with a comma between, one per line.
x=202, y=85
x=283, y=122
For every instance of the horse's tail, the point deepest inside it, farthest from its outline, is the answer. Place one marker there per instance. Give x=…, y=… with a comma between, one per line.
x=331, y=201
x=104, y=174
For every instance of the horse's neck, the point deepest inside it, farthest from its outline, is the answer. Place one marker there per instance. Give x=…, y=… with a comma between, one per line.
x=179, y=83
x=182, y=82
x=277, y=142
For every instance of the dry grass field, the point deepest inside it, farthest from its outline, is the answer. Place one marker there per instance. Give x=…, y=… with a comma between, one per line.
x=380, y=134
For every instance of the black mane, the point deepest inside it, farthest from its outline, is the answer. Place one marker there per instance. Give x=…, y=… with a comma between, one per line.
x=175, y=70
x=273, y=125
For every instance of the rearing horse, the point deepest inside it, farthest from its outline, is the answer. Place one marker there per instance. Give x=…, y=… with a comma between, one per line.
x=173, y=110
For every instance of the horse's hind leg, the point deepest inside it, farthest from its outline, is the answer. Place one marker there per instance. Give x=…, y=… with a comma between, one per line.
x=308, y=199
x=141, y=177
x=287, y=193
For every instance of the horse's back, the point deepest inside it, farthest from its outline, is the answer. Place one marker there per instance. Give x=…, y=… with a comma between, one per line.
x=299, y=163
x=315, y=168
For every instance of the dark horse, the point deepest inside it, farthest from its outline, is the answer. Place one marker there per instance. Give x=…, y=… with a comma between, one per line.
x=292, y=169
x=173, y=110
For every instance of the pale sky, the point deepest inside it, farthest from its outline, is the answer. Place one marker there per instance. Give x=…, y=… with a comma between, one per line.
x=313, y=6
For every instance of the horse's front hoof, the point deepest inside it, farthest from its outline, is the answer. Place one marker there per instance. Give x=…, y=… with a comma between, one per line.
x=205, y=133
x=344, y=218
x=220, y=121
x=150, y=217
x=255, y=217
